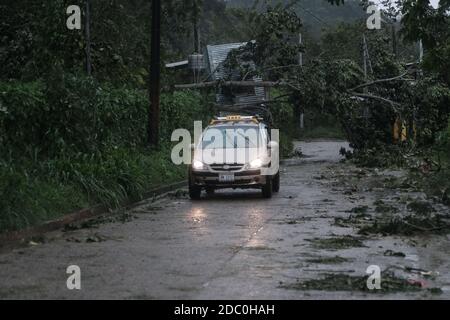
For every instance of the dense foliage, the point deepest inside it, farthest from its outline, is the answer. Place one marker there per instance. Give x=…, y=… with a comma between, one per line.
x=71, y=142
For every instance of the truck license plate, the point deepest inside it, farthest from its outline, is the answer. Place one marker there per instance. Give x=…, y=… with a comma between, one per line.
x=226, y=177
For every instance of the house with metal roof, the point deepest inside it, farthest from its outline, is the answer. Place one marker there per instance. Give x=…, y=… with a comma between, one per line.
x=211, y=67
x=215, y=58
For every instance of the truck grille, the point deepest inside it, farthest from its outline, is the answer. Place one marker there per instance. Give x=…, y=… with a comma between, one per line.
x=227, y=167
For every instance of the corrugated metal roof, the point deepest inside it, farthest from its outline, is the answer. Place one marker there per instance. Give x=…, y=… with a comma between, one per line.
x=217, y=54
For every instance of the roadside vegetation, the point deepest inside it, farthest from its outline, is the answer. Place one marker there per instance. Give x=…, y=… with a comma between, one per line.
x=70, y=143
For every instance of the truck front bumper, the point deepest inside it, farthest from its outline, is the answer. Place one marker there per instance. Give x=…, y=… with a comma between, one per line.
x=242, y=179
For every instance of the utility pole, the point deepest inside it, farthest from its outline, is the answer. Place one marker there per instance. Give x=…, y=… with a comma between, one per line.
x=366, y=61
x=155, y=73
x=394, y=40
x=196, y=38
x=365, y=57
x=420, y=51
x=87, y=31
x=300, y=62
x=195, y=12
x=195, y=23
x=300, y=55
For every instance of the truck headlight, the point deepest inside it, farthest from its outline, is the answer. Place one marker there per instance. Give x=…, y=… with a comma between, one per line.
x=256, y=164
x=198, y=165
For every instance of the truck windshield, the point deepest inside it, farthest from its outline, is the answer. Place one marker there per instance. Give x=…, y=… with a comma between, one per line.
x=231, y=137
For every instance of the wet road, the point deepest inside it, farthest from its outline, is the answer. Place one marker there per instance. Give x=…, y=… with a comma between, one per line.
x=234, y=245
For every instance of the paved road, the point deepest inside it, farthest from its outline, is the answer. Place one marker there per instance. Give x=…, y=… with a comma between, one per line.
x=234, y=245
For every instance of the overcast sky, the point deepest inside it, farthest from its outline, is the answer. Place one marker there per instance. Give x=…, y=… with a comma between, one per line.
x=434, y=3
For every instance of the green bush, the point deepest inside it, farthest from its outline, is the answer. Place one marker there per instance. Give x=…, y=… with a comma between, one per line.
x=22, y=108
x=73, y=114
x=181, y=109
x=283, y=115
x=70, y=142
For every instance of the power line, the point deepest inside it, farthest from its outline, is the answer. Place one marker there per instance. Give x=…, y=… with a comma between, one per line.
x=313, y=15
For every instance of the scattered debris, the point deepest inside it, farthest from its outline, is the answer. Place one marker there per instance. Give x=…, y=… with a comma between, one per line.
x=297, y=153
x=422, y=272
x=328, y=260
x=421, y=207
x=292, y=221
x=37, y=240
x=354, y=220
x=382, y=207
x=122, y=217
x=359, y=209
x=336, y=243
x=391, y=253
x=179, y=194
x=342, y=282
x=417, y=282
x=96, y=238
x=350, y=191
x=445, y=198
x=259, y=248
x=89, y=239
x=408, y=225
x=73, y=239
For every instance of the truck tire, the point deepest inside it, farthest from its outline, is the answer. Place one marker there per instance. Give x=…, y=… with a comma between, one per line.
x=210, y=191
x=276, y=183
x=267, y=189
x=194, y=191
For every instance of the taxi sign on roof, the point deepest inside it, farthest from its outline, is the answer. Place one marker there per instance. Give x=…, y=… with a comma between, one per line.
x=235, y=118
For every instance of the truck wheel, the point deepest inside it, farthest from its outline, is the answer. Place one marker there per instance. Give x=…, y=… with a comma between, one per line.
x=276, y=183
x=267, y=188
x=194, y=191
x=210, y=191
